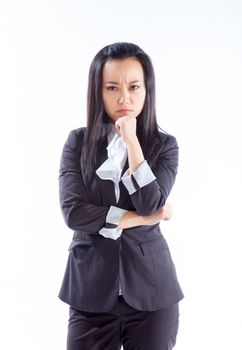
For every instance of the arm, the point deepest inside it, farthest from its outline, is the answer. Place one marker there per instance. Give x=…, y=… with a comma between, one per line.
x=77, y=212
x=131, y=218
x=149, y=190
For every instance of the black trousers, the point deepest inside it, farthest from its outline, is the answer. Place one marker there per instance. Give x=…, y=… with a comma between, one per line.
x=123, y=325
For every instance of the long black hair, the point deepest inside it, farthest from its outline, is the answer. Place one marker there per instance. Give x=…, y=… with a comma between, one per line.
x=99, y=123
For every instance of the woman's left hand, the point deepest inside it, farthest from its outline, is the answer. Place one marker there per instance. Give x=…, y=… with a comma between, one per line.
x=126, y=127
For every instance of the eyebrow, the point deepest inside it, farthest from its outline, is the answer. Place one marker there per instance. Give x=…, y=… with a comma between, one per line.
x=113, y=82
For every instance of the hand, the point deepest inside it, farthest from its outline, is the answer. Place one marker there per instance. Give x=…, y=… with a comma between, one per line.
x=165, y=213
x=132, y=219
x=126, y=127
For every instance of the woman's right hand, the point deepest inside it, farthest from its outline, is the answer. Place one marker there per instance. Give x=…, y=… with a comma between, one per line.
x=165, y=213
x=132, y=219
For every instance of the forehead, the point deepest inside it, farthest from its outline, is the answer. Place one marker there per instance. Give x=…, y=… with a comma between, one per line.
x=120, y=70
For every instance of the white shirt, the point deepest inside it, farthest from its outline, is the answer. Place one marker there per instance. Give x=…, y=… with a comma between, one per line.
x=112, y=168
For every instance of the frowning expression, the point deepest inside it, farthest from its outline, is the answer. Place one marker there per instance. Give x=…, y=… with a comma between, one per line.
x=123, y=87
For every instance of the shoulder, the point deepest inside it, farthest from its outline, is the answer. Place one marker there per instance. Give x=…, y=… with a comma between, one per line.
x=168, y=152
x=75, y=138
x=79, y=132
x=167, y=141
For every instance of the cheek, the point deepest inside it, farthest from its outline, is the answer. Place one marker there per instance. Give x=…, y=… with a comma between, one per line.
x=107, y=101
x=141, y=99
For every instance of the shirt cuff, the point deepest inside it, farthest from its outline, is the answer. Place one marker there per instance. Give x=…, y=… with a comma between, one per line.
x=110, y=229
x=142, y=176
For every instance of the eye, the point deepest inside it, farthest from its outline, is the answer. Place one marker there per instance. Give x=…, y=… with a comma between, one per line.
x=135, y=86
x=111, y=88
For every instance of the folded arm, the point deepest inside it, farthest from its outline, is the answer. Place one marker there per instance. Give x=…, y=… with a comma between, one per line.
x=149, y=189
x=78, y=213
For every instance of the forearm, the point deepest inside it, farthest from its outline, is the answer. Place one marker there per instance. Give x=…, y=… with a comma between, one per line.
x=149, y=187
x=131, y=218
x=135, y=154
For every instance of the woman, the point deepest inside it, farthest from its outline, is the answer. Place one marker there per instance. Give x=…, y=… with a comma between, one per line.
x=115, y=176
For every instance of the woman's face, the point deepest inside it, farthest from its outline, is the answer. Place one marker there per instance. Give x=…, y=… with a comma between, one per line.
x=123, y=87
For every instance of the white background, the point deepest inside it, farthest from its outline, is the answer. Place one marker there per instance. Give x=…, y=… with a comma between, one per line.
x=196, y=50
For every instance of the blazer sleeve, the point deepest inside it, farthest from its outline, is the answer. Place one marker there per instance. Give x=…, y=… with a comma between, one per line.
x=149, y=189
x=77, y=212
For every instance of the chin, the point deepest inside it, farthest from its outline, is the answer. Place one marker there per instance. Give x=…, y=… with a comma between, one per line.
x=112, y=120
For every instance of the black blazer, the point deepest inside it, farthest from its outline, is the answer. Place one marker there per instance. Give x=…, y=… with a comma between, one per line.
x=140, y=257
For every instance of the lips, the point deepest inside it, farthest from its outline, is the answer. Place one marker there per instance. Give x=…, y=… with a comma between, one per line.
x=124, y=110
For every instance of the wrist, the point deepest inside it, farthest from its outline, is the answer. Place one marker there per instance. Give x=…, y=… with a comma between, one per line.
x=142, y=220
x=152, y=219
x=132, y=142
x=131, y=219
x=147, y=220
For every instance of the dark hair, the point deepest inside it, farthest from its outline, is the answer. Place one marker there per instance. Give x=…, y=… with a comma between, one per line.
x=98, y=122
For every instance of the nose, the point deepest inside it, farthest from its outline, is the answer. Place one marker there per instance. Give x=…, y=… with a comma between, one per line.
x=124, y=97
